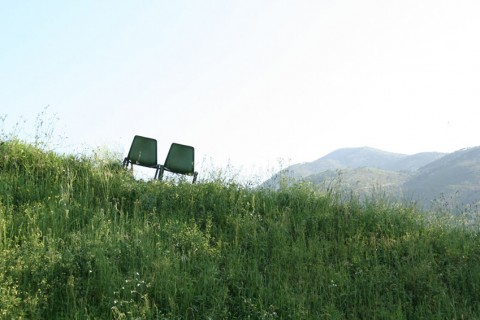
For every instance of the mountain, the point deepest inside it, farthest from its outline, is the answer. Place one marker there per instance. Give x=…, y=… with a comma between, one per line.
x=428, y=178
x=453, y=178
x=350, y=158
x=353, y=158
x=364, y=180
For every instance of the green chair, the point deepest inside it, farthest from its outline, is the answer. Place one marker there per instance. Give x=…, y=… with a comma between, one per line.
x=143, y=152
x=180, y=159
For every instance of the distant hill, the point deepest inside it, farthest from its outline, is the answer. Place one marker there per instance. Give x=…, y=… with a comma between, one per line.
x=365, y=180
x=455, y=178
x=348, y=159
x=423, y=177
x=351, y=158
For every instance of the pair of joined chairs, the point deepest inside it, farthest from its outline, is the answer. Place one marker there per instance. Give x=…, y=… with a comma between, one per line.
x=180, y=158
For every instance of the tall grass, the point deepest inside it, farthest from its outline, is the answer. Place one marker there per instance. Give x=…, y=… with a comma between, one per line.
x=80, y=238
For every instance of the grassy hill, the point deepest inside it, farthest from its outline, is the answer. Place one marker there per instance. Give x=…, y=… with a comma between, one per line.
x=81, y=239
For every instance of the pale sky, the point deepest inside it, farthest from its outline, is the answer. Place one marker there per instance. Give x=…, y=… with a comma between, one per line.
x=249, y=83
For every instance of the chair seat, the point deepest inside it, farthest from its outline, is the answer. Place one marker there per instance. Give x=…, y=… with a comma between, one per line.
x=181, y=160
x=143, y=152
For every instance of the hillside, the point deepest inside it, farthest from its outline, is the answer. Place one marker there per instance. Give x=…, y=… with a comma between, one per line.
x=365, y=180
x=80, y=238
x=425, y=178
x=351, y=158
x=455, y=177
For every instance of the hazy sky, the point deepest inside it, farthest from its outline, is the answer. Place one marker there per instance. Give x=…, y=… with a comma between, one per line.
x=247, y=82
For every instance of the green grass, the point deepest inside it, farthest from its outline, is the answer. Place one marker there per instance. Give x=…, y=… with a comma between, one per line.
x=81, y=239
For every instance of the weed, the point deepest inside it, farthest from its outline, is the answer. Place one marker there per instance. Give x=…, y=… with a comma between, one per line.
x=81, y=238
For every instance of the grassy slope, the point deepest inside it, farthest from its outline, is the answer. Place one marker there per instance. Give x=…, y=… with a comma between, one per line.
x=81, y=239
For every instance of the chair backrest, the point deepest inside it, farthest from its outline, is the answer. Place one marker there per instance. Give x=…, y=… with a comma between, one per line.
x=143, y=152
x=180, y=159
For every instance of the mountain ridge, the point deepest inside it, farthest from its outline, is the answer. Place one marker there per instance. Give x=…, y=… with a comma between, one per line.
x=421, y=177
x=365, y=157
